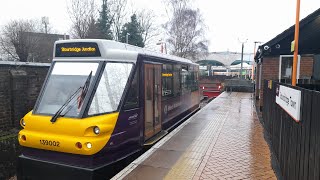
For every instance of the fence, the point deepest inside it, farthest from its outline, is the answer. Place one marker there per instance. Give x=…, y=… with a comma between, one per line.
x=296, y=145
x=239, y=85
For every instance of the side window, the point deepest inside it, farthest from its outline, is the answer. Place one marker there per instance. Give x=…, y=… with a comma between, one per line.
x=132, y=100
x=177, y=80
x=184, y=79
x=167, y=80
x=196, y=74
x=194, y=79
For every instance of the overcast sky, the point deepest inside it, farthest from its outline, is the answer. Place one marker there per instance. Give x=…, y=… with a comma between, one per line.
x=226, y=20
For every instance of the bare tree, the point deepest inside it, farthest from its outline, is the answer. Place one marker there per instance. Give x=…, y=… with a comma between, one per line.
x=44, y=25
x=176, y=5
x=81, y=13
x=146, y=19
x=15, y=41
x=186, y=31
x=118, y=14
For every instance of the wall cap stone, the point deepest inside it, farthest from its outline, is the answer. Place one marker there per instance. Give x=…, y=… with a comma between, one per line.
x=16, y=63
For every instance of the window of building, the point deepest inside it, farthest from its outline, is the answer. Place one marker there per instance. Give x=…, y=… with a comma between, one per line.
x=285, y=68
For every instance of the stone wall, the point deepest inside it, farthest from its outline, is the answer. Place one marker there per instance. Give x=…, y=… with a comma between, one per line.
x=20, y=84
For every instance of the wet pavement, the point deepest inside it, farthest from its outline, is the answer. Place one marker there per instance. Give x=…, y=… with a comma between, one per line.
x=224, y=140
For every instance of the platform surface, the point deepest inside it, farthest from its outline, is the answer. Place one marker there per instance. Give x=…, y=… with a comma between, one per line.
x=224, y=140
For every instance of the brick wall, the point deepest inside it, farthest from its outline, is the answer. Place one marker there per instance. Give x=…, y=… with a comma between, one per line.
x=5, y=111
x=270, y=70
x=306, y=66
x=20, y=84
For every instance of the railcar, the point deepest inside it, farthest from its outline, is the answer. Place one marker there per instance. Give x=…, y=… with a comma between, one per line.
x=103, y=101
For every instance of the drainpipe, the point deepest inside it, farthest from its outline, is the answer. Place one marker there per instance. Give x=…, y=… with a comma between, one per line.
x=260, y=74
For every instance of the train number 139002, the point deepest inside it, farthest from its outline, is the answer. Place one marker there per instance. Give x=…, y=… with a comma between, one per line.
x=50, y=143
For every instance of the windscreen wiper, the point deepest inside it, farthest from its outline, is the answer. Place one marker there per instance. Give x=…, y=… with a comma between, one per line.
x=84, y=89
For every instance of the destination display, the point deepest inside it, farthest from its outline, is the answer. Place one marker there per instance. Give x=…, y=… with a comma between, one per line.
x=81, y=49
x=166, y=74
x=289, y=99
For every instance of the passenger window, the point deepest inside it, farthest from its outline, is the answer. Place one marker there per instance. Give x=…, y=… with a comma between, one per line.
x=167, y=80
x=132, y=100
x=177, y=80
x=185, y=79
x=194, y=79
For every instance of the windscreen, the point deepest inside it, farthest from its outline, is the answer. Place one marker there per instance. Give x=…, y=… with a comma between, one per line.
x=111, y=88
x=65, y=80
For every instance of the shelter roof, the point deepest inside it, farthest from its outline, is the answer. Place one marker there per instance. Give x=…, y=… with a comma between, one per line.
x=226, y=57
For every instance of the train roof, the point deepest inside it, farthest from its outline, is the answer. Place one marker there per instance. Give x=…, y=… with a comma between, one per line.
x=118, y=51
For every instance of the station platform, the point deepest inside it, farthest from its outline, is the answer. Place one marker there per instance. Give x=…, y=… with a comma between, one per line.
x=224, y=140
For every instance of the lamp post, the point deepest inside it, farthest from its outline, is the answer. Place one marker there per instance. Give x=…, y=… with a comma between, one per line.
x=242, y=47
x=254, y=54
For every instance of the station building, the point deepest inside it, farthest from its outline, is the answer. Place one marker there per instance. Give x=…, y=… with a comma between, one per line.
x=274, y=59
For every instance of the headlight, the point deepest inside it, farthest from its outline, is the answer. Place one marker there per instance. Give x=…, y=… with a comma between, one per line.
x=89, y=145
x=96, y=130
x=23, y=123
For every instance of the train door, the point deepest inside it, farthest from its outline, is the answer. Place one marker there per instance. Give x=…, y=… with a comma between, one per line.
x=152, y=102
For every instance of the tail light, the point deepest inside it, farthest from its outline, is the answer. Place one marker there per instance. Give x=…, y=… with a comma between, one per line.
x=79, y=145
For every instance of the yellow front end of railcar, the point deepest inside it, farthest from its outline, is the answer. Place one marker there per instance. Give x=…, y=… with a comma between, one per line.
x=84, y=136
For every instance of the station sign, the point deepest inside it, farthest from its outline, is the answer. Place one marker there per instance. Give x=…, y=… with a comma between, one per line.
x=292, y=46
x=289, y=99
